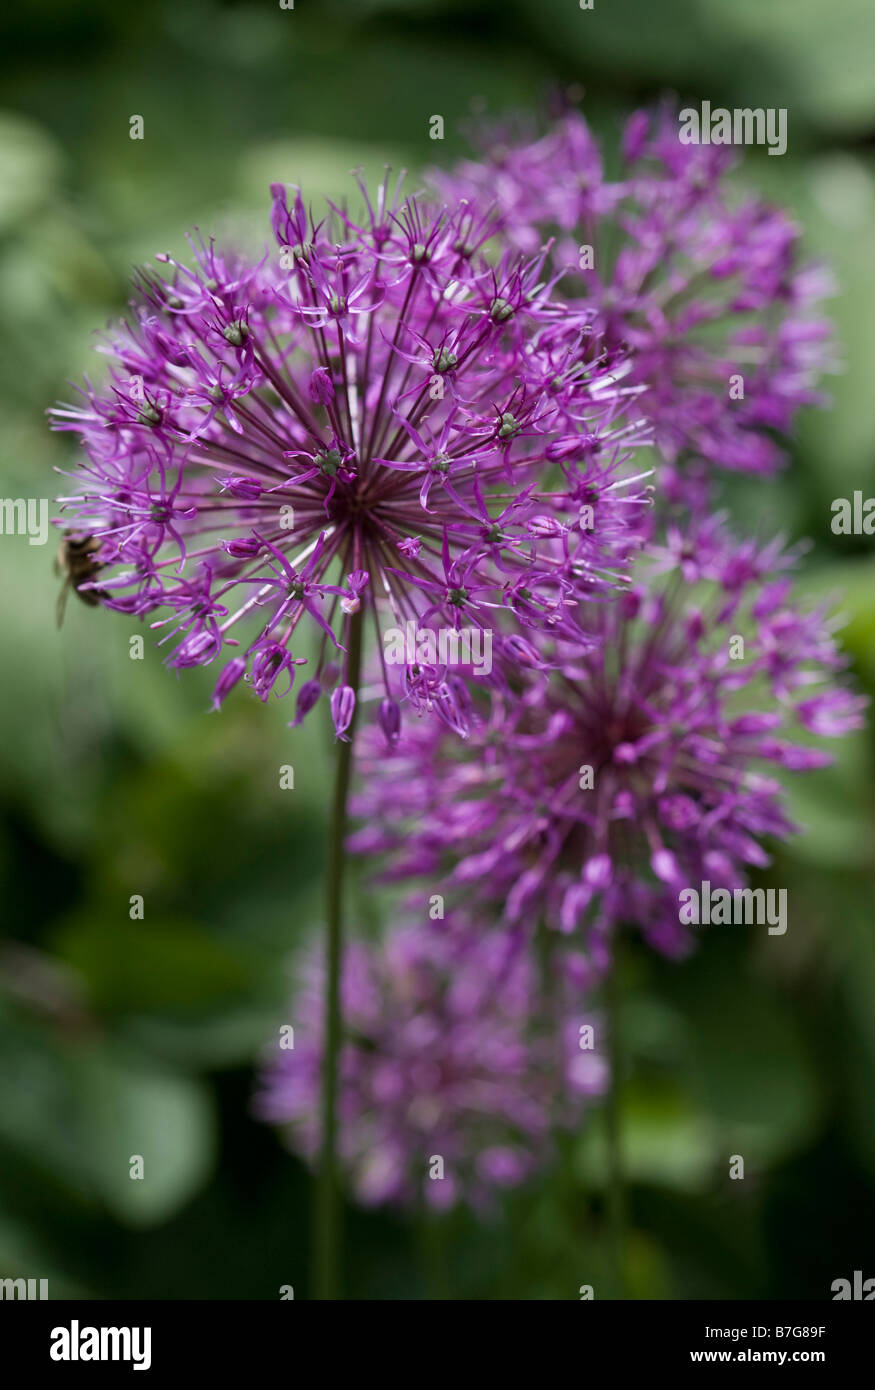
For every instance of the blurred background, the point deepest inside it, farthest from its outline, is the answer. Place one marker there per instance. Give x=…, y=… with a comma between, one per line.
x=123, y=1037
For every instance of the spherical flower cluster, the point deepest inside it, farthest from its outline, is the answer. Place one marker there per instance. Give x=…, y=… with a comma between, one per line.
x=645, y=765
x=454, y=1072
x=374, y=424
x=702, y=284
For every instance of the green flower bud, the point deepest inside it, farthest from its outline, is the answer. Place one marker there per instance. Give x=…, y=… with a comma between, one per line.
x=236, y=333
x=500, y=311
x=444, y=361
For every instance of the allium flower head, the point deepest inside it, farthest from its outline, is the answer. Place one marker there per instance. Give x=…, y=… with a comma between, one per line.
x=701, y=283
x=375, y=419
x=449, y=1054
x=646, y=764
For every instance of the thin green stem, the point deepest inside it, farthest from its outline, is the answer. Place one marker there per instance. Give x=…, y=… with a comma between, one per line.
x=434, y=1232
x=616, y=1196
x=327, y=1233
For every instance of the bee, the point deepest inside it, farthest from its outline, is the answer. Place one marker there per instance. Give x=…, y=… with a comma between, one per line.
x=75, y=561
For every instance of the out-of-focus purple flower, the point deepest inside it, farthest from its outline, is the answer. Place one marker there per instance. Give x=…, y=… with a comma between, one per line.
x=342, y=709
x=374, y=420
x=702, y=283
x=455, y=1071
x=646, y=763
x=228, y=679
x=390, y=720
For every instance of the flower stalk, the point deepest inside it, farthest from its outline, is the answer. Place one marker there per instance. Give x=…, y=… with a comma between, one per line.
x=616, y=1194
x=327, y=1233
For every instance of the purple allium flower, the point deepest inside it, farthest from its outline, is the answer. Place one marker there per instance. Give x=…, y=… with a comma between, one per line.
x=376, y=418
x=702, y=283
x=453, y=1058
x=647, y=763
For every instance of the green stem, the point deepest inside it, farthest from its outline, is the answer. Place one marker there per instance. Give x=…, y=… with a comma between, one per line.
x=616, y=1197
x=328, y=1210
x=434, y=1231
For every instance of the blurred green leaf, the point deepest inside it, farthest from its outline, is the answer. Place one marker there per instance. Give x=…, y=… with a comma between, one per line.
x=30, y=161
x=747, y=1067
x=136, y=1109
x=79, y=1108
x=822, y=60
x=160, y=965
